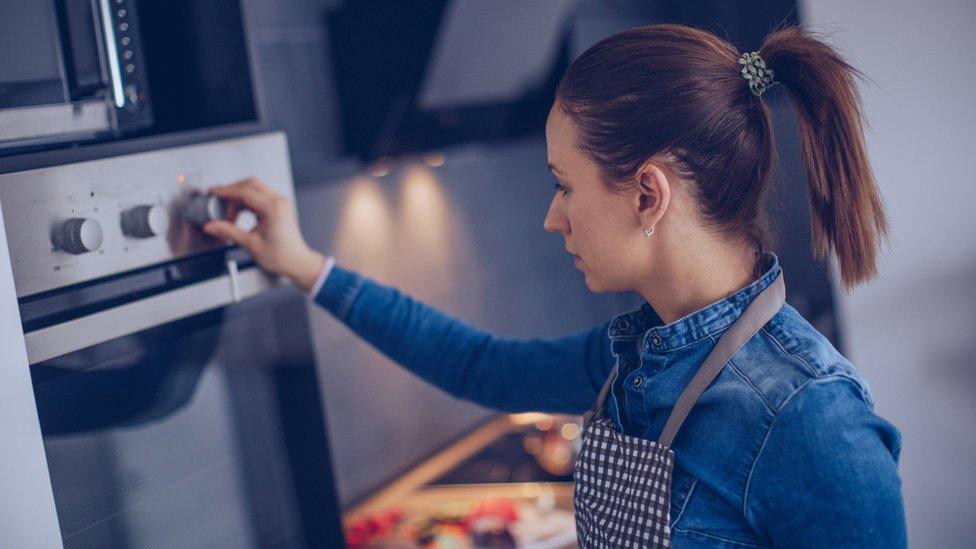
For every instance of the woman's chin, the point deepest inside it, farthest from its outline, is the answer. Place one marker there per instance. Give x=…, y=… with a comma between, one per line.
x=593, y=285
x=599, y=285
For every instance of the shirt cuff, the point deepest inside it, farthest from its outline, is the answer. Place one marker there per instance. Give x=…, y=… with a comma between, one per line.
x=326, y=270
x=339, y=292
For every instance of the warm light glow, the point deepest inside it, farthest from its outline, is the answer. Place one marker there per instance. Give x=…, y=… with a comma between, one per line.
x=570, y=431
x=526, y=418
x=379, y=171
x=544, y=424
x=425, y=224
x=406, y=231
x=181, y=179
x=364, y=238
x=532, y=489
x=434, y=159
x=381, y=167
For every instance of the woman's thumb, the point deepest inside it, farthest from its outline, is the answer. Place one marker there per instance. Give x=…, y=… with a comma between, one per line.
x=227, y=231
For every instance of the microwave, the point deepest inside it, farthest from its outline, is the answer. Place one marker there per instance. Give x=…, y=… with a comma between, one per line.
x=70, y=70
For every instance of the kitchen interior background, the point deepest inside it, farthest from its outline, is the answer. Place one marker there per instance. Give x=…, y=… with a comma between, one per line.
x=458, y=224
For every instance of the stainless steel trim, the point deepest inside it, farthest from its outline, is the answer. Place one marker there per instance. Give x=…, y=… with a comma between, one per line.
x=73, y=335
x=115, y=72
x=37, y=123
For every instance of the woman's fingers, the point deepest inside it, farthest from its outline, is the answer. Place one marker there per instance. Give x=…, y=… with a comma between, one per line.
x=276, y=243
x=251, y=193
x=227, y=230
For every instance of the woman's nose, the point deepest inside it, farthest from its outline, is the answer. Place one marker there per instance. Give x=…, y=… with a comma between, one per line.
x=554, y=221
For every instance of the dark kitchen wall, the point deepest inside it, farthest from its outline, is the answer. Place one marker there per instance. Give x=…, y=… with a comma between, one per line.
x=291, y=44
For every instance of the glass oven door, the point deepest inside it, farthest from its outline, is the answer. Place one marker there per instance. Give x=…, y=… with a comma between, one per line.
x=205, y=431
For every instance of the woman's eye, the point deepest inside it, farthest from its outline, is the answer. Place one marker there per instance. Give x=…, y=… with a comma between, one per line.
x=560, y=188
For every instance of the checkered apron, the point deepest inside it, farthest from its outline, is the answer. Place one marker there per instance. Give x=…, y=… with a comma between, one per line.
x=622, y=496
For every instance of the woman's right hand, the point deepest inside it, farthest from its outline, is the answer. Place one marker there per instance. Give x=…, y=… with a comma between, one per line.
x=276, y=243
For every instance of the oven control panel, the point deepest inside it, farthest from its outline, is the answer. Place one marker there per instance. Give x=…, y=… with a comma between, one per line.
x=79, y=222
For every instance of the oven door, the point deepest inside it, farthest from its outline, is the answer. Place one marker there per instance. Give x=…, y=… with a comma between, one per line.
x=206, y=430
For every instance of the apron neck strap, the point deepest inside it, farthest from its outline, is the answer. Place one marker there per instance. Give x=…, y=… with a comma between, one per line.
x=599, y=410
x=756, y=315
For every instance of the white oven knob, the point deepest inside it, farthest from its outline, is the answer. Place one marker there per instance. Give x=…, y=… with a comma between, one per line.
x=145, y=221
x=201, y=208
x=80, y=235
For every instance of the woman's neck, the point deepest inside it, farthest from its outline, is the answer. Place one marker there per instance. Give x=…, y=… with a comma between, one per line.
x=692, y=278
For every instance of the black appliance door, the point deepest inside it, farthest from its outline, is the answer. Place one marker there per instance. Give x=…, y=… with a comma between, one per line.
x=30, y=55
x=203, y=432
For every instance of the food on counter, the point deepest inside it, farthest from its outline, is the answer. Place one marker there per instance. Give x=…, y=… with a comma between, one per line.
x=491, y=523
x=377, y=528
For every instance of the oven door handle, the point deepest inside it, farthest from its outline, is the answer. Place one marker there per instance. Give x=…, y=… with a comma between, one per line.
x=111, y=52
x=73, y=335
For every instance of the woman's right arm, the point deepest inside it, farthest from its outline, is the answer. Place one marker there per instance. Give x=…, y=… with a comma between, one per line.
x=551, y=375
x=548, y=375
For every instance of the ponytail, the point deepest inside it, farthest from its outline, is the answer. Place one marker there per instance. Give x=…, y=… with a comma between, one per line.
x=847, y=213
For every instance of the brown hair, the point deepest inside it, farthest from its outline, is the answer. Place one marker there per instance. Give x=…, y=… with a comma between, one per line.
x=675, y=94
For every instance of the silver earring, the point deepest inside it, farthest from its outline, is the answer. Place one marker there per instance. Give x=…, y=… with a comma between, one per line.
x=649, y=232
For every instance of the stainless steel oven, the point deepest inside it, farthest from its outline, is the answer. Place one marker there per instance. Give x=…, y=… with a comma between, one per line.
x=174, y=381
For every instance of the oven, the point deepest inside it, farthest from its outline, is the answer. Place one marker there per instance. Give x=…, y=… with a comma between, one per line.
x=174, y=381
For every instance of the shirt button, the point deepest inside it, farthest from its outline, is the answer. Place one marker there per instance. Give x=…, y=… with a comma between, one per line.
x=628, y=365
x=656, y=340
x=623, y=325
x=638, y=381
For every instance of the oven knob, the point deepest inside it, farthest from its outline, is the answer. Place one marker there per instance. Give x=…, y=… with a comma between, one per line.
x=145, y=221
x=201, y=208
x=80, y=235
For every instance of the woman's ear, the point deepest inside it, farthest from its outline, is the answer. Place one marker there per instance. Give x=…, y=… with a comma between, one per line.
x=653, y=196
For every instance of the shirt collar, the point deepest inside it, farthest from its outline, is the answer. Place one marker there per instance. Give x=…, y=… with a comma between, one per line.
x=696, y=326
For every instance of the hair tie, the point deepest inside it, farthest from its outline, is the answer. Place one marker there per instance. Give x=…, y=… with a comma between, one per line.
x=760, y=77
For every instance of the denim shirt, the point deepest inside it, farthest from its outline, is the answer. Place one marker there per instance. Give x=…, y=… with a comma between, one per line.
x=782, y=449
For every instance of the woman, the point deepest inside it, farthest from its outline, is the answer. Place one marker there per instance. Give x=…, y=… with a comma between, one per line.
x=663, y=151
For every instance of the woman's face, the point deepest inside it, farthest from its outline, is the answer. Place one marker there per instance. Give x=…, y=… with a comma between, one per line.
x=601, y=228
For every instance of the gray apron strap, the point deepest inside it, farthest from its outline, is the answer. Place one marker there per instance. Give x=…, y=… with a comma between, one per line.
x=756, y=315
x=599, y=410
